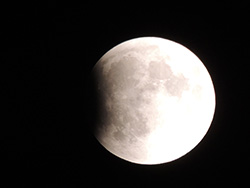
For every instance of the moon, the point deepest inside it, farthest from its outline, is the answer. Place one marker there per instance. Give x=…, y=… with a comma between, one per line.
x=156, y=100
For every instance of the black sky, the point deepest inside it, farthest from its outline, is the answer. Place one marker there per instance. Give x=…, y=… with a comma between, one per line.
x=47, y=55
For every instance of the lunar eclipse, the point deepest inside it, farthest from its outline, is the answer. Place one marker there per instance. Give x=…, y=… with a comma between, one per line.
x=155, y=100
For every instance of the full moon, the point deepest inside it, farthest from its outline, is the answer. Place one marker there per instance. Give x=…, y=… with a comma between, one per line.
x=156, y=100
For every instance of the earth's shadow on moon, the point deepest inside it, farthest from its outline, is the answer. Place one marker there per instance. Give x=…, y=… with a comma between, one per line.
x=93, y=103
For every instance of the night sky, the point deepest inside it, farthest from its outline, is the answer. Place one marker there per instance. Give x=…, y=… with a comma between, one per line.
x=47, y=53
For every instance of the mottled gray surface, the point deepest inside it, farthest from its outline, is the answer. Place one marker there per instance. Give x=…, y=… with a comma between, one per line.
x=128, y=78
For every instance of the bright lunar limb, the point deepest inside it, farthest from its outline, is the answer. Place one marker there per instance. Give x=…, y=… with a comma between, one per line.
x=156, y=100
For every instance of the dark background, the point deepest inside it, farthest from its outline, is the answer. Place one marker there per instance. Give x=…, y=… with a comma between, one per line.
x=47, y=53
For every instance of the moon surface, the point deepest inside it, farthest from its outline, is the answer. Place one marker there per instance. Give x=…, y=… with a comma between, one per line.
x=156, y=100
